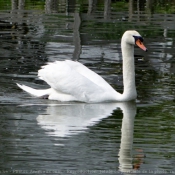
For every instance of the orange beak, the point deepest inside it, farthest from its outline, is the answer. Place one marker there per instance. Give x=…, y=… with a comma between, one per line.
x=140, y=44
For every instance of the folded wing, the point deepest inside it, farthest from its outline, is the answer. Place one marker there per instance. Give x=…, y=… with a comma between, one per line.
x=73, y=78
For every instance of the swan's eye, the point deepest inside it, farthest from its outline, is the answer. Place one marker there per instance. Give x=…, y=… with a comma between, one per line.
x=141, y=39
x=138, y=38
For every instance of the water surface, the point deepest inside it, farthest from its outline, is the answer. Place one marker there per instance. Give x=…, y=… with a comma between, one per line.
x=47, y=137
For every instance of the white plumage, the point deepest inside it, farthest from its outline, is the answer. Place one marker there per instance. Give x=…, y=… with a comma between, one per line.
x=72, y=81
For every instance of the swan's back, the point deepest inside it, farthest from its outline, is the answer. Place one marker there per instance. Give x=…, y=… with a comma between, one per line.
x=73, y=78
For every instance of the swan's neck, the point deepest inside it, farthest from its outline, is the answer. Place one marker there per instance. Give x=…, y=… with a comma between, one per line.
x=129, y=92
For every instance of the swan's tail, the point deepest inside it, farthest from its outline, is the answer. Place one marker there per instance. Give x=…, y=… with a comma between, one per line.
x=35, y=92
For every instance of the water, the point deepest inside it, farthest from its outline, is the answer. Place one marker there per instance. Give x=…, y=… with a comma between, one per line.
x=46, y=137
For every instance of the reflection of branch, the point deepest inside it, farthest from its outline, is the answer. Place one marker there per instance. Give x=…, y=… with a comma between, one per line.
x=76, y=37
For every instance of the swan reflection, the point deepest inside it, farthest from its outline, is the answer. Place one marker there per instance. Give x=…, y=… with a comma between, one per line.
x=70, y=119
x=127, y=129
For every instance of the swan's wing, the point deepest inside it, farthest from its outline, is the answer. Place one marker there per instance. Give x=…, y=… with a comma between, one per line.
x=89, y=74
x=66, y=79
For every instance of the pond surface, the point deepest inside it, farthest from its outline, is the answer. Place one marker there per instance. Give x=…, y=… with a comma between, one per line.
x=48, y=137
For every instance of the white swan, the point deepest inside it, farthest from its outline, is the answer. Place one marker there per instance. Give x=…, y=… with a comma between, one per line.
x=72, y=81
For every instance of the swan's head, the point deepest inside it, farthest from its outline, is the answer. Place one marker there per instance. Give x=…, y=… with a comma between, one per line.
x=132, y=37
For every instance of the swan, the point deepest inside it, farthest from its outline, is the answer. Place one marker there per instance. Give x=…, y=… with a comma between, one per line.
x=72, y=81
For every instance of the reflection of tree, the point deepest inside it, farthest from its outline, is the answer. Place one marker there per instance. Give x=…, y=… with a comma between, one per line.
x=17, y=32
x=149, y=6
x=76, y=37
x=51, y=6
x=21, y=4
x=17, y=17
x=71, y=5
x=139, y=6
x=18, y=4
x=107, y=9
x=130, y=9
x=71, y=10
x=92, y=6
x=14, y=4
x=17, y=10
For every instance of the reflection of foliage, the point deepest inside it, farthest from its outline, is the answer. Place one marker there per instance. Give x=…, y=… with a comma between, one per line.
x=157, y=119
x=154, y=127
x=111, y=28
x=5, y=4
x=119, y=6
x=160, y=6
x=165, y=6
x=35, y=5
x=29, y=4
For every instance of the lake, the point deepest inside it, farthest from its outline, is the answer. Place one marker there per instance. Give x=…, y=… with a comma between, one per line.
x=39, y=136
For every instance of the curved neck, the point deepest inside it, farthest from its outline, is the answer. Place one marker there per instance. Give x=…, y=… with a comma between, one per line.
x=129, y=92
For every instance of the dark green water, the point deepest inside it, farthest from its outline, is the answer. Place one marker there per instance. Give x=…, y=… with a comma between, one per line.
x=47, y=137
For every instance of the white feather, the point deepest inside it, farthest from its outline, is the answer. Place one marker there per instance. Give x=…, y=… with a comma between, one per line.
x=35, y=92
x=72, y=81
